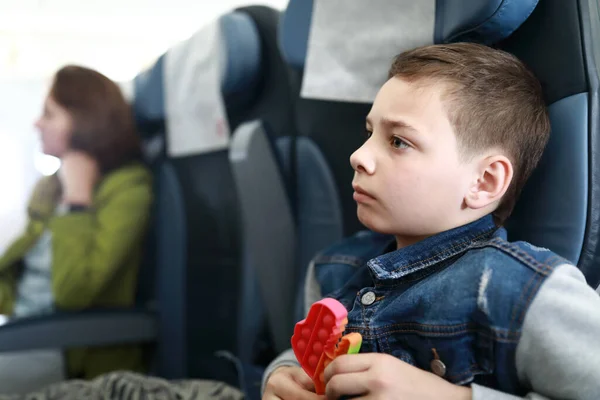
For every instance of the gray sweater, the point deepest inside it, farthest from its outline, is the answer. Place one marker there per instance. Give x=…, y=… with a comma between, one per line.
x=558, y=355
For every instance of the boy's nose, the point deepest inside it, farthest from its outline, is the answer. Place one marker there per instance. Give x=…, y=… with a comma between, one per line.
x=362, y=161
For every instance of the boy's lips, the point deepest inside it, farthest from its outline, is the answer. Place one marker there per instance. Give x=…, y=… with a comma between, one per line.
x=361, y=195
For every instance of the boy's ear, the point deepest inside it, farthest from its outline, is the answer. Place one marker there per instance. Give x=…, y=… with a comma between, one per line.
x=494, y=175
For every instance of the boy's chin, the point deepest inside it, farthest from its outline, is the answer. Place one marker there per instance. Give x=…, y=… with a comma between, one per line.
x=383, y=224
x=372, y=222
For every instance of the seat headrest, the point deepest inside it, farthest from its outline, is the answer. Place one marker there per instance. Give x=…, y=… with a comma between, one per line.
x=483, y=21
x=148, y=93
x=240, y=69
x=243, y=52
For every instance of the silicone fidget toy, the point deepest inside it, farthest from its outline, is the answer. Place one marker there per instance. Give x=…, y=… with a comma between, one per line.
x=318, y=340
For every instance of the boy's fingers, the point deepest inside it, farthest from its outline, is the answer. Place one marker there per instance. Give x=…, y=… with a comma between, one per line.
x=348, y=364
x=303, y=379
x=295, y=391
x=353, y=384
x=270, y=396
x=284, y=385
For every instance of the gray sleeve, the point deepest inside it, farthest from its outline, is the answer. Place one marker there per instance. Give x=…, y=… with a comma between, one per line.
x=483, y=393
x=312, y=293
x=285, y=359
x=558, y=354
x=312, y=290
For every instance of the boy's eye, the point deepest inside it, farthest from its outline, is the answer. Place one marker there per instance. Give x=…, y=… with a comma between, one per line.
x=398, y=143
x=368, y=133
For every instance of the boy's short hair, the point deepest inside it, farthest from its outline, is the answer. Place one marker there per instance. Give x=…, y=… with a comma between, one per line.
x=492, y=100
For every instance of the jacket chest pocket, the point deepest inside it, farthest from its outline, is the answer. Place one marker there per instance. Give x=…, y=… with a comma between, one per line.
x=457, y=355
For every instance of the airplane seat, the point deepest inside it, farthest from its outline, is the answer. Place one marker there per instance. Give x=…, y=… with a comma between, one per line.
x=198, y=247
x=560, y=207
x=272, y=109
x=269, y=129
x=272, y=112
x=278, y=119
x=334, y=126
x=275, y=112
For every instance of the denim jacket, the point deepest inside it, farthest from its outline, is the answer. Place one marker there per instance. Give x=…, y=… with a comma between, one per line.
x=453, y=304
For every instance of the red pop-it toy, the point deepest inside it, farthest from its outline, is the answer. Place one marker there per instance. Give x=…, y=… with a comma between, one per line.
x=318, y=340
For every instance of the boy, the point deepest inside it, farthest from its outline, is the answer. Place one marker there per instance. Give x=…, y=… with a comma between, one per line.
x=448, y=309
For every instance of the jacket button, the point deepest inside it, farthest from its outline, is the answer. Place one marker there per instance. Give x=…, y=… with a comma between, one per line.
x=368, y=298
x=438, y=367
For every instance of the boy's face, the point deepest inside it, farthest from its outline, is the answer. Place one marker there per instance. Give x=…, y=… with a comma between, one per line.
x=409, y=179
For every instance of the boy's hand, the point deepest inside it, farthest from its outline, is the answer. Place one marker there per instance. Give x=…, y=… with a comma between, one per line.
x=381, y=376
x=290, y=383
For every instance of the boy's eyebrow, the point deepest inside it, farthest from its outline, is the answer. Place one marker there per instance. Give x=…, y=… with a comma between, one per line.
x=394, y=123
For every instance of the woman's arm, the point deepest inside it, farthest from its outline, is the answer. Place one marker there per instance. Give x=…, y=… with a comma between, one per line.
x=89, y=247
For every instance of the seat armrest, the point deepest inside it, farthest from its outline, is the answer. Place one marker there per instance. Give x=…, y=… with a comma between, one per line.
x=79, y=329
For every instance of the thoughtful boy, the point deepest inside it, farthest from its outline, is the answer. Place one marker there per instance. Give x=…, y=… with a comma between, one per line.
x=447, y=307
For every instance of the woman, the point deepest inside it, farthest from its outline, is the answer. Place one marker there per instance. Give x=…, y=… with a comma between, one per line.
x=83, y=243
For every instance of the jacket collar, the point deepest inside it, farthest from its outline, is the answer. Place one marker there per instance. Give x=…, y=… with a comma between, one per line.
x=432, y=250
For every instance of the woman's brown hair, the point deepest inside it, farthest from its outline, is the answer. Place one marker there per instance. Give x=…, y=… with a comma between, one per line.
x=103, y=124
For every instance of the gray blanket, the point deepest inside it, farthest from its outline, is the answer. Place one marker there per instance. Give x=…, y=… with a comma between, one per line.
x=131, y=386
